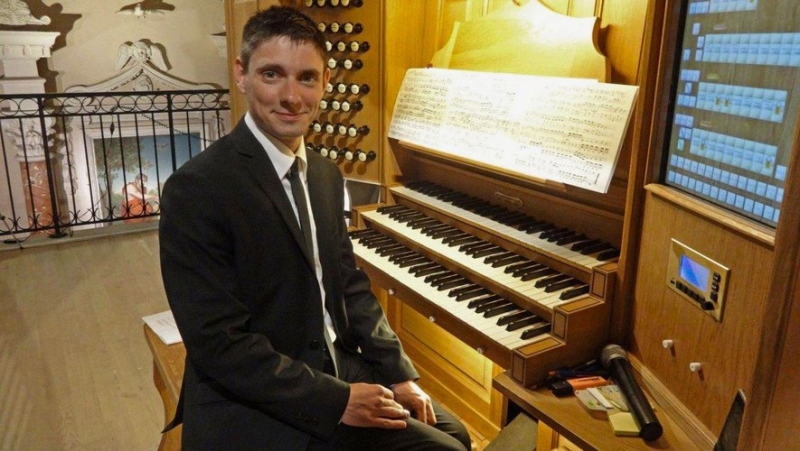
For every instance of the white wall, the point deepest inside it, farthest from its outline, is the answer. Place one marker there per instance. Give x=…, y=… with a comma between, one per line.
x=91, y=46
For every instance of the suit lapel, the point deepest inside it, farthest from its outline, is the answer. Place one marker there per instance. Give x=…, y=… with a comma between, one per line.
x=262, y=170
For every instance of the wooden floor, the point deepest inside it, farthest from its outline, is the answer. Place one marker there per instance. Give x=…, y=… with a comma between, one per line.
x=75, y=371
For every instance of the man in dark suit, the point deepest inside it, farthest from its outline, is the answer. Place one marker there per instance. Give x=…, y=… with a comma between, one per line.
x=287, y=348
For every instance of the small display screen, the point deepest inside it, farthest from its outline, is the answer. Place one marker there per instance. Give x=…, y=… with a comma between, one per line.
x=694, y=273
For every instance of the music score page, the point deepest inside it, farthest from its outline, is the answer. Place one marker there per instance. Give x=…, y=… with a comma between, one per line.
x=561, y=129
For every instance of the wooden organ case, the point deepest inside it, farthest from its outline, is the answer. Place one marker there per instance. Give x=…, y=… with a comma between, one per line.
x=628, y=302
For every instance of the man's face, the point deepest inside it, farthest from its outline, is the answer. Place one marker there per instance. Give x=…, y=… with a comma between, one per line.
x=284, y=83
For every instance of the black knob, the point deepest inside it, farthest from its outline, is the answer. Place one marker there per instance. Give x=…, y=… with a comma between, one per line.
x=350, y=28
x=354, y=131
x=352, y=65
x=355, y=46
x=355, y=106
x=366, y=157
x=355, y=89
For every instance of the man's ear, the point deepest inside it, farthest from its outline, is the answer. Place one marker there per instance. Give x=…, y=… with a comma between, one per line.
x=241, y=74
x=326, y=76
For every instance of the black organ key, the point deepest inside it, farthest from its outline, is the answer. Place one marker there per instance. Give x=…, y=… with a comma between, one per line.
x=483, y=300
x=469, y=248
x=557, y=237
x=518, y=266
x=421, y=223
x=513, y=317
x=377, y=242
x=393, y=251
x=410, y=217
x=437, y=281
x=596, y=248
x=609, y=254
x=423, y=267
x=553, y=232
x=561, y=285
x=508, y=260
x=429, y=271
x=574, y=292
x=550, y=280
x=486, y=252
x=386, y=208
x=537, y=274
x=438, y=275
x=469, y=289
x=358, y=233
x=495, y=257
x=430, y=230
x=540, y=227
x=571, y=239
x=472, y=295
x=446, y=233
x=484, y=306
x=537, y=329
x=499, y=310
x=583, y=244
x=460, y=282
x=525, y=322
x=463, y=241
x=401, y=255
x=410, y=261
x=522, y=272
x=449, y=239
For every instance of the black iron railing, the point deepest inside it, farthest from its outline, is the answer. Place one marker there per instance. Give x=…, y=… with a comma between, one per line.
x=83, y=160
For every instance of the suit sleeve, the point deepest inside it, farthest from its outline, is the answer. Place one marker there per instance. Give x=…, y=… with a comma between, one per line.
x=368, y=325
x=200, y=279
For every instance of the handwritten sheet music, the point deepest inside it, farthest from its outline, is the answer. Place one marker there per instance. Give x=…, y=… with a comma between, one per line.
x=560, y=129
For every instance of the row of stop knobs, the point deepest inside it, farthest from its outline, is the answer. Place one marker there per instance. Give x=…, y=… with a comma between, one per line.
x=341, y=129
x=336, y=154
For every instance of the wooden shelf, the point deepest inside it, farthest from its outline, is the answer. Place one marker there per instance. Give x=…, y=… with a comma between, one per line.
x=568, y=418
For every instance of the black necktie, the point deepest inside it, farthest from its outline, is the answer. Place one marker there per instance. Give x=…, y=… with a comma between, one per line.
x=299, y=194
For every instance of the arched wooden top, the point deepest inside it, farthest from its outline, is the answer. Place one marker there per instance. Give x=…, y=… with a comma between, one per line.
x=529, y=39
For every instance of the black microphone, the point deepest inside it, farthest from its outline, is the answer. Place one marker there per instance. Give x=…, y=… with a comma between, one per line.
x=616, y=359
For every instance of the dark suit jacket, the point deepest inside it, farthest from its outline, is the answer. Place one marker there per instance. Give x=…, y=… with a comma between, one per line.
x=247, y=303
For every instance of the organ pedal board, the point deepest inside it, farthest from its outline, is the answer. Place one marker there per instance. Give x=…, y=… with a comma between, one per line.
x=529, y=295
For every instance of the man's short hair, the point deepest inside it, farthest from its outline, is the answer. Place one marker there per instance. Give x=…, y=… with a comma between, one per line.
x=279, y=21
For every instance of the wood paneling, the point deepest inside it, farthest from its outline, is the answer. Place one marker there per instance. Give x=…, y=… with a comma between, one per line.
x=659, y=313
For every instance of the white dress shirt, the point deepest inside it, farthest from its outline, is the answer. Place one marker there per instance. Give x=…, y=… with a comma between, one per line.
x=282, y=159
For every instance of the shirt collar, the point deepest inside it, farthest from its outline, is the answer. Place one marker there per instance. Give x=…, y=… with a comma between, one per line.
x=279, y=153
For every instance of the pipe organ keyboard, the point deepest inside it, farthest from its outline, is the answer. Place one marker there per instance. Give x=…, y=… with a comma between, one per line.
x=529, y=295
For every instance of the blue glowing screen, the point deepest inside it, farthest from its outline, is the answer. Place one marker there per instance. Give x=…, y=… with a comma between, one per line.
x=694, y=273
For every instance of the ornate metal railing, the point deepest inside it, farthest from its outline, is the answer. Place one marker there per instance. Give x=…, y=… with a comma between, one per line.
x=82, y=160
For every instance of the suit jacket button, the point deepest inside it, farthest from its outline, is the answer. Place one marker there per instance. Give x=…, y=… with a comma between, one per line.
x=314, y=345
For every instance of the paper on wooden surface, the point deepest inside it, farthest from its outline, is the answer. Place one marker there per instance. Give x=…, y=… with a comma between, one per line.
x=163, y=324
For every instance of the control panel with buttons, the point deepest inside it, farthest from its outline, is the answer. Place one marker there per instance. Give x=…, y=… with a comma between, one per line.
x=697, y=278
